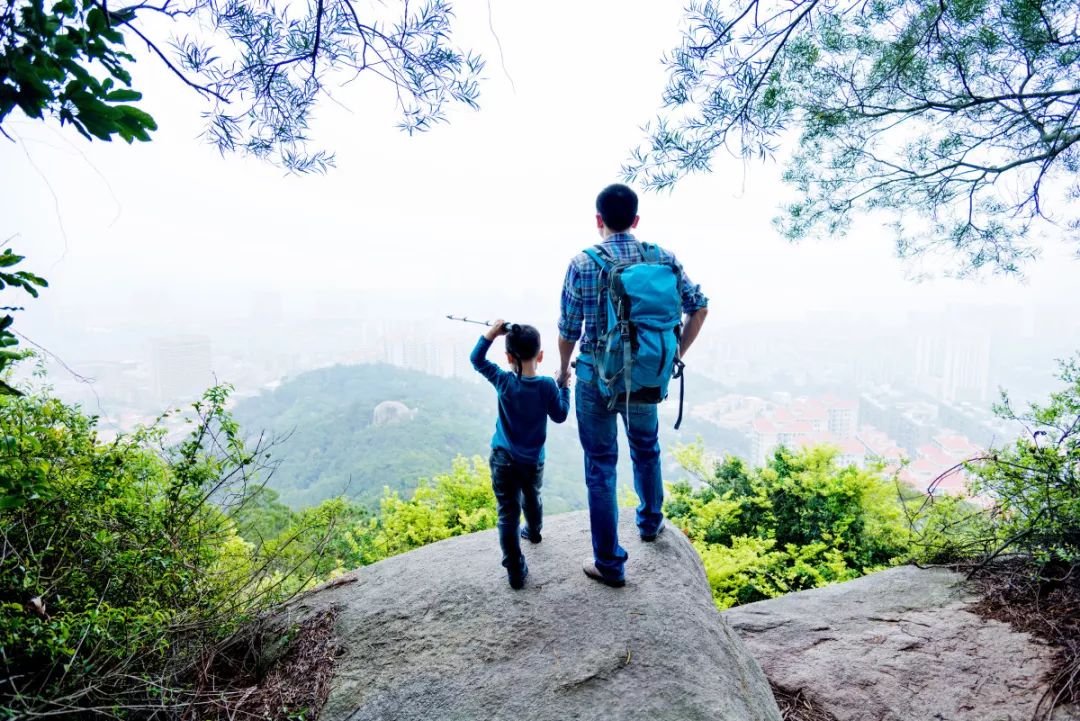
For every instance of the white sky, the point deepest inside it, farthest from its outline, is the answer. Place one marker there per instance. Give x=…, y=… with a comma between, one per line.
x=479, y=212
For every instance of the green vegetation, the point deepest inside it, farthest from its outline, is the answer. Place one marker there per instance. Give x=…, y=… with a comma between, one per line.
x=947, y=120
x=1032, y=488
x=126, y=560
x=329, y=444
x=47, y=54
x=29, y=284
x=800, y=522
x=259, y=67
x=1036, y=481
x=122, y=559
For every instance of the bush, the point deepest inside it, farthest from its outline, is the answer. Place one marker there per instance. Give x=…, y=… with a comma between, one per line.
x=452, y=504
x=125, y=562
x=122, y=560
x=799, y=522
x=1035, y=482
x=1027, y=494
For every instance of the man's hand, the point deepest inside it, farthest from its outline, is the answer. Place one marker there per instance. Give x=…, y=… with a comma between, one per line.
x=497, y=329
x=566, y=353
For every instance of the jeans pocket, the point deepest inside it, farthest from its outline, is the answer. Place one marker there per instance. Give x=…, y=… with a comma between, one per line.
x=588, y=399
x=584, y=372
x=499, y=457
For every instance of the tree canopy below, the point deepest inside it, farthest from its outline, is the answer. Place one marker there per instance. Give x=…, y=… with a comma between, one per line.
x=330, y=442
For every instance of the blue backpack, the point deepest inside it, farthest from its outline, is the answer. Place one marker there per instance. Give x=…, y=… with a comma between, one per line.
x=639, y=325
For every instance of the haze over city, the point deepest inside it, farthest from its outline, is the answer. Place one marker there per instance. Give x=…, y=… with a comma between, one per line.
x=169, y=261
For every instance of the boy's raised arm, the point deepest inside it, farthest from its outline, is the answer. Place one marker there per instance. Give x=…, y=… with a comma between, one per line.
x=478, y=358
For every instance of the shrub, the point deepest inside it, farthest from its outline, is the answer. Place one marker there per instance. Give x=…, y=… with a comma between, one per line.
x=451, y=504
x=1035, y=482
x=799, y=522
x=123, y=559
x=1027, y=493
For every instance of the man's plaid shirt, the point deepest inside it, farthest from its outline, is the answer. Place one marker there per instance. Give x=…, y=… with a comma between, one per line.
x=580, y=294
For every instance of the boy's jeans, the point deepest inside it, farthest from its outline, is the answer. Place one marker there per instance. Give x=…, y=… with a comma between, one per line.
x=517, y=489
x=597, y=430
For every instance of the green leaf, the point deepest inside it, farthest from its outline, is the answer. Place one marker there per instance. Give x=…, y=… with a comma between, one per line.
x=8, y=258
x=123, y=95
x=7, y=390
x=31, y=278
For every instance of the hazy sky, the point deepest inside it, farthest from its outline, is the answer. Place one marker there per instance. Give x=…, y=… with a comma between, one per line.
x=481, y=212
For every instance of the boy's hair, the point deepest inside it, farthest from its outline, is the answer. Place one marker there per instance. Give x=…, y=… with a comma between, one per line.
x=617, y=206
x=522, y=343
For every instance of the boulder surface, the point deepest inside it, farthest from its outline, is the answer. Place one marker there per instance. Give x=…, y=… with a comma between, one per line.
x=899, y=645
x=437, y=633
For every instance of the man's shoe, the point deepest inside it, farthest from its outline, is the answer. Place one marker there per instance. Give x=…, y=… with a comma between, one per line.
x=650, y=537
x=529, y=536
x=590, y=569
x=517, y=582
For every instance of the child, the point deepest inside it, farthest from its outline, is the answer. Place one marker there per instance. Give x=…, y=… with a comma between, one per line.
x=526, y=401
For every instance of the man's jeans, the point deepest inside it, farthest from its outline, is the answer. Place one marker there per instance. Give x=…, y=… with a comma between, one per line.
x=597, y=430
x=517, y=489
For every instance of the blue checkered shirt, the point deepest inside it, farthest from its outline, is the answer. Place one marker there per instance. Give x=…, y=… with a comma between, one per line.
x=580, y=294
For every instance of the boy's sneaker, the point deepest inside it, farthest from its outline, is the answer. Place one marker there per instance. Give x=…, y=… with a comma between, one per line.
x=517, y=582
x=650, y=537
x=590, y=569
x=529, y=536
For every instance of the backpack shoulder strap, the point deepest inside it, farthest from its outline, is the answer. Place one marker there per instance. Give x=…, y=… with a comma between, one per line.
x=600, y=256
x=650, y=252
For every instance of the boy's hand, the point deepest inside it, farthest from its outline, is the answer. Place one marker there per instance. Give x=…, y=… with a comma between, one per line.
x=562, y=378
x=497, y=329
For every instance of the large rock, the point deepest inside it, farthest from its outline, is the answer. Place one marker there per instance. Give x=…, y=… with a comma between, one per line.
x=438, y=634
x=899, y=645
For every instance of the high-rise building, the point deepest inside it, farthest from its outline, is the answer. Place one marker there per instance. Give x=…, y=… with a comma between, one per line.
x=953, y=367
x=182, y=367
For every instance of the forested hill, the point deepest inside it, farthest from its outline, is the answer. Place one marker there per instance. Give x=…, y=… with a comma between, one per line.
x=332, y=442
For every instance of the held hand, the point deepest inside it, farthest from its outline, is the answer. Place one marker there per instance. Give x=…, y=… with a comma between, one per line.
x=497, y=329
x=562, y=378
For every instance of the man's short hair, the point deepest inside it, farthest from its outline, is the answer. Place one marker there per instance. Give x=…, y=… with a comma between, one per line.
x=617, y=206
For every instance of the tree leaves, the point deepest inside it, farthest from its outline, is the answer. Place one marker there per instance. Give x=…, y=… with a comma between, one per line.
x=27, y=282
x=261, y=90
x=46, y=68
x=947, y=121
x=801, y=521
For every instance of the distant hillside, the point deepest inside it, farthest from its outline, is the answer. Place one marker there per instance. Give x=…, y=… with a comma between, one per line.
x=331, y=442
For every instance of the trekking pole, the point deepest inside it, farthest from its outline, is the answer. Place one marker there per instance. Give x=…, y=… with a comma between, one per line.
x=488, y=323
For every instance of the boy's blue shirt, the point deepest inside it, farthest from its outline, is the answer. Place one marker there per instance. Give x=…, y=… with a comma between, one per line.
x=525, y=404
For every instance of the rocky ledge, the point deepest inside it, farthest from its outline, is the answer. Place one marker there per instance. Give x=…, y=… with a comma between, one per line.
x=899, y=645
x=438, y=634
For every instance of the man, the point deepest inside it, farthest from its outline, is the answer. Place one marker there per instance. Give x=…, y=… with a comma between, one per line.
x=616, y=216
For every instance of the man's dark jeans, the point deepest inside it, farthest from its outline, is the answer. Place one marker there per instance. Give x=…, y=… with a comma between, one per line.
x=517, y=489
x=597, y=428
